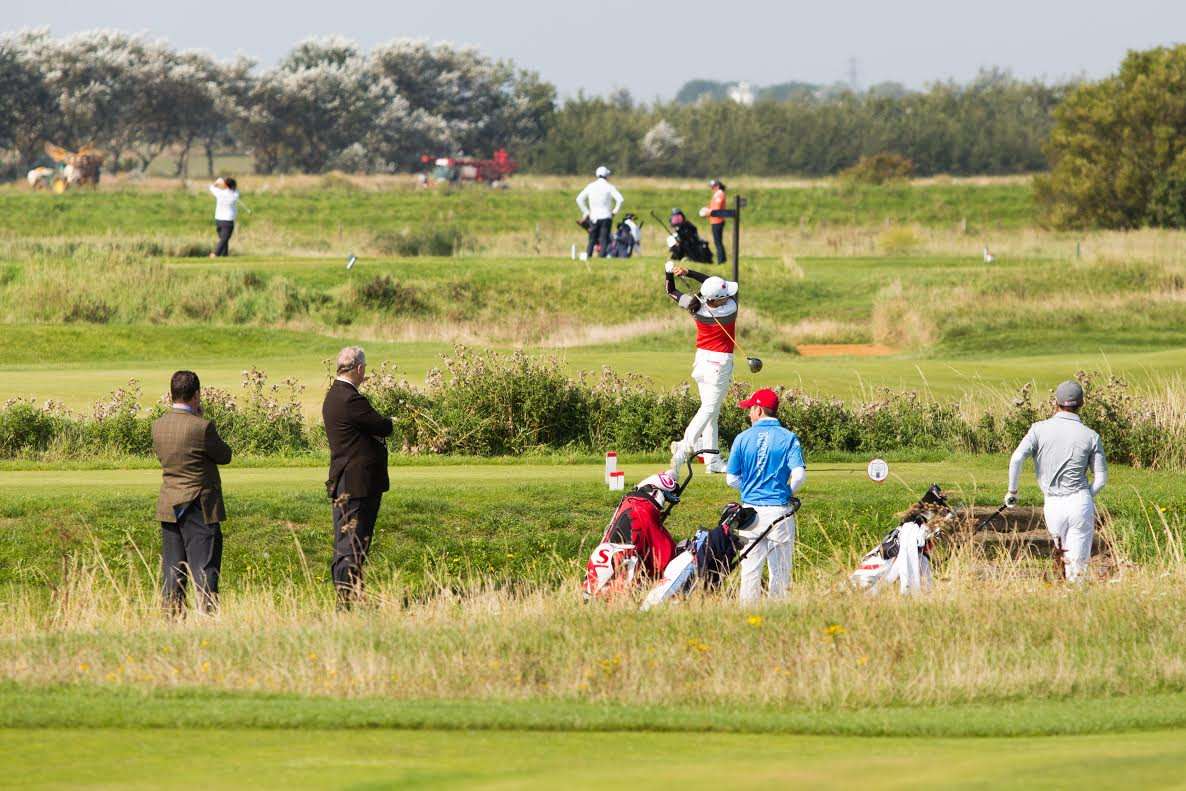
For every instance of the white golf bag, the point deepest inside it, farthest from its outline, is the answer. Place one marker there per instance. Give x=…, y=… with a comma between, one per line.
x=904, y=556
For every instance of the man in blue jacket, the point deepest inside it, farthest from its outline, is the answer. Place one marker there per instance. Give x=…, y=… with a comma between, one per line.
x=766, y=465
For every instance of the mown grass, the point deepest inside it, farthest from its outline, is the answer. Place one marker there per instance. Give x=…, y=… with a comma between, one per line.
x=400, y=759
x=511, y=522
x=314, y=213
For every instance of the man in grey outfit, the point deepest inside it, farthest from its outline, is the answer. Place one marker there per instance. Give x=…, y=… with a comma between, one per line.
x=1064, y=450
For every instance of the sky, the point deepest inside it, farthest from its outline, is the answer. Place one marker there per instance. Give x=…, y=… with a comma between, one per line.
x=652, y=48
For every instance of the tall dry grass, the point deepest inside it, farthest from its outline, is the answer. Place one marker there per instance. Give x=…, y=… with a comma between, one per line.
x=972, y=638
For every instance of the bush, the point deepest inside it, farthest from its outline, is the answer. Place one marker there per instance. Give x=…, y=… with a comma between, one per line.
x=430, y=240
x=384, y=293
x=1118, y=148
x=489, y=404
x=878, y=169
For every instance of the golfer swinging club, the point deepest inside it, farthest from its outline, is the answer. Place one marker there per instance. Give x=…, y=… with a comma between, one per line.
x=1063, y=448
x=715, y=312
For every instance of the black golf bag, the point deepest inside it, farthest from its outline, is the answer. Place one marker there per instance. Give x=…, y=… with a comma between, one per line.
x=688, y=244
x=717, y=549
x=621, y=244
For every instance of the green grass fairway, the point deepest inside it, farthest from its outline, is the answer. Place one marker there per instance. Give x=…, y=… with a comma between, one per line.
x=295, y=759
x=496, y=518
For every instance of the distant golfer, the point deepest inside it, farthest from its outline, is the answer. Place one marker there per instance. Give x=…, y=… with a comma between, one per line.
x=226, y=209
x=1063, y=450
x=189, y=507
x=599, y=201
x=357, y=471
x=766, y=464
x=718, y=223
x=714, y=309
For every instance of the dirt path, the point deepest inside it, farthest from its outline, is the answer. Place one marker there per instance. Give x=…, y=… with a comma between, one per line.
x=844, y=350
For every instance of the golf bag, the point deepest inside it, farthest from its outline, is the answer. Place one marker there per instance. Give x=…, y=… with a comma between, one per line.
x=708, y=558
x=635, y=546
x=622, y=243
x=685, y=242
x=904, y=555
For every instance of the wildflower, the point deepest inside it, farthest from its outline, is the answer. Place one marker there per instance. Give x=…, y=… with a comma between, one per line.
x=698, y=645
x=754, y=621
x=834, y=630
x=84, y=667
x=863, y=660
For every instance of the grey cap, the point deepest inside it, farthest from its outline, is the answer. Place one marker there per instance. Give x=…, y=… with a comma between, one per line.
x=1069, y=393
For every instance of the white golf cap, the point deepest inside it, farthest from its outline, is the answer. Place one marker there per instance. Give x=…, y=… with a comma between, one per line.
x=602, y=171
x=717, y=288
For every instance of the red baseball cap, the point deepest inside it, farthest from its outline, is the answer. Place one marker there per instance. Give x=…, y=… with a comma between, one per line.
x=765, y=398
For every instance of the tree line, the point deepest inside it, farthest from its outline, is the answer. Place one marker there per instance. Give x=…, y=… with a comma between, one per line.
x=328, y=105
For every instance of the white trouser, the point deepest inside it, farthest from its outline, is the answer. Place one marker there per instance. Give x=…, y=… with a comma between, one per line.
x=1071, y=521
x=713, y=373
x=776, y=551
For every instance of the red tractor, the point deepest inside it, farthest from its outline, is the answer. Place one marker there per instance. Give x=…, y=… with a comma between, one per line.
x=461, y=169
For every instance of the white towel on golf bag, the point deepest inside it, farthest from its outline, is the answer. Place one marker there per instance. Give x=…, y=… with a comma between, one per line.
x=911, y=569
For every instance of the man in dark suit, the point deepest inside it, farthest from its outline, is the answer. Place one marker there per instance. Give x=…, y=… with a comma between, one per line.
x=357, y=470
x=190, y=507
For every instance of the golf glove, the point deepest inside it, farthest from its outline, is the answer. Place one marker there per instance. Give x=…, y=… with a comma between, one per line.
x=668, y=267
x=672, y=241
x=704, y=212
x=1010, y=499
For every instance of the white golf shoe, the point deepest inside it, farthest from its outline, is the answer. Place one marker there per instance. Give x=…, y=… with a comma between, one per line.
x=716, y=467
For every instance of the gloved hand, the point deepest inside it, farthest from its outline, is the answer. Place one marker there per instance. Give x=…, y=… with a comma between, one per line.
x=672, y=241
x=1010, y=499
x=704, y=212
x=669, y=267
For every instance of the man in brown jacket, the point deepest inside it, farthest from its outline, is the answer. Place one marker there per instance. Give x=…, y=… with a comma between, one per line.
x=357, y=470
x=190, y=506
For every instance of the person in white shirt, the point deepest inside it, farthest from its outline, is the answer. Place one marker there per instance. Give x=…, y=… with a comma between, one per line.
x=599, y=201
x=1063, y=450
x=226, y=209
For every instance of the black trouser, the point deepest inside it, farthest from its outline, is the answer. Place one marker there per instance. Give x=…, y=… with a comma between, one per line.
x=225, y=229
x=718, y=238
x=354, y=527
x=191, y=550
x=599, y=234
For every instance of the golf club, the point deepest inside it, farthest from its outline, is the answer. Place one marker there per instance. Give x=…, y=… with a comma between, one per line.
x=983, y=523
x=679, y=489
x=754, y=363
x=351, y=260
x=795, y=504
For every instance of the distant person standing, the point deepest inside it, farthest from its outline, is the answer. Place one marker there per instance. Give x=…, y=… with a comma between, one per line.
x=226, y=209
x=189, y=507
x=599, y=201
x=357, y=470
x=717, y=203
x=1064, y=450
